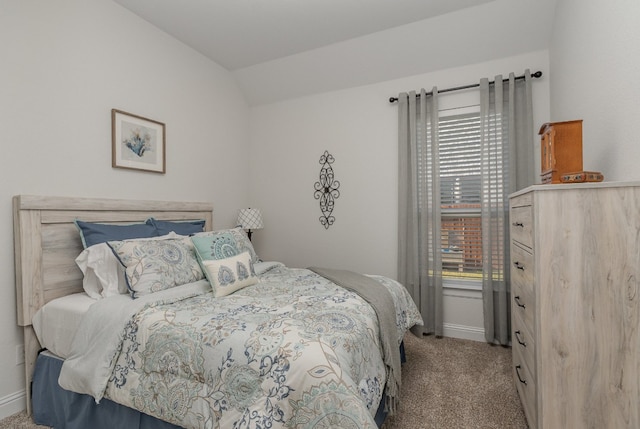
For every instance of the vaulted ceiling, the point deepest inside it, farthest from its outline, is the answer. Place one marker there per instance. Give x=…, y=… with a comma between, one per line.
x=242, y=33
x=279, y=49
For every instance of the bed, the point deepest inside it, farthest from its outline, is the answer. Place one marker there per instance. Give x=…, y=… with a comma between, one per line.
x=288, y=347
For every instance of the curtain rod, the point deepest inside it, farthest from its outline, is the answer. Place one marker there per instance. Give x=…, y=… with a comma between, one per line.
x=475, y=85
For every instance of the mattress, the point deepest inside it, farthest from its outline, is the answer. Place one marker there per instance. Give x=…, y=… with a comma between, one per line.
x=56, y=323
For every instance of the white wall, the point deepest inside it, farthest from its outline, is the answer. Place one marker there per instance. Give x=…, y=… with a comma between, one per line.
x=595, y=64
x=359, y=127
x=65, y=65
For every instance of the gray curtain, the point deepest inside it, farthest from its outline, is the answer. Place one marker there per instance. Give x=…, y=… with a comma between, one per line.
x=419, y=257
x=507, y=139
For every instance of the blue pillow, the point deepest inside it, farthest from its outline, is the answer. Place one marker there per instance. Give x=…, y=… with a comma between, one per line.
x=95, y=233
x=164, y=227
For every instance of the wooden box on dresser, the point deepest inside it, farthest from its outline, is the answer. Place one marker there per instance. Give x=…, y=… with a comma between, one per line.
x=575, y=304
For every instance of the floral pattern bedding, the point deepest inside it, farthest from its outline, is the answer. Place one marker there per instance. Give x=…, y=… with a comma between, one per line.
x=292, y=351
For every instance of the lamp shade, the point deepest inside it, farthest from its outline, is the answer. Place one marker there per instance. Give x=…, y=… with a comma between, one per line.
x=250, y=219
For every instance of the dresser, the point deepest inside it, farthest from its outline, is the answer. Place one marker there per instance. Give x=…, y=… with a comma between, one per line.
x=575, y=304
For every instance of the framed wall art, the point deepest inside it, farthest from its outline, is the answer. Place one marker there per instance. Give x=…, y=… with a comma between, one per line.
x=137, y=143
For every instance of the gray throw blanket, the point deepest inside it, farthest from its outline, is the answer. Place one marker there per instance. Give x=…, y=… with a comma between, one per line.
x=377, y=295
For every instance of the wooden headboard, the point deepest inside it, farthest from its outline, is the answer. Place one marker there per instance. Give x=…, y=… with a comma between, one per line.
x=47, y=242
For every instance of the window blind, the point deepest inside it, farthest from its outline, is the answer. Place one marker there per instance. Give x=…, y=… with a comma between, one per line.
x=460, y=193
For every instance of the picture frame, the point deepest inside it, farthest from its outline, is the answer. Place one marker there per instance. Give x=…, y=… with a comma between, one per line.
x=138, y=143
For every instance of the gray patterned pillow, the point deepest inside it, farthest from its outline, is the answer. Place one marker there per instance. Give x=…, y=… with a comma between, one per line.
x=152, y=266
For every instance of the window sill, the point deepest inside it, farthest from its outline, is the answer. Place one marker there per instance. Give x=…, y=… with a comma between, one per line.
x=462, y=284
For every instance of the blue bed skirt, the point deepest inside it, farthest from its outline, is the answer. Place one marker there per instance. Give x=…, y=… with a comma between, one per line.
x=61, y=409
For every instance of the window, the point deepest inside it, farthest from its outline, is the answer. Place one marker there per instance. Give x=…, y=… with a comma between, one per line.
x=460, y=193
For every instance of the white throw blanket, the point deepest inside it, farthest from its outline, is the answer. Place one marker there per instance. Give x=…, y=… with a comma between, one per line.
x=88, y=368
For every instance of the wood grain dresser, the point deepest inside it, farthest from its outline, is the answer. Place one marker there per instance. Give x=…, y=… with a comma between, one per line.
x=576, y=304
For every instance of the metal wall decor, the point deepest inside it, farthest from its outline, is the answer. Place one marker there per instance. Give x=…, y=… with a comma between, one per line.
x=326, y=190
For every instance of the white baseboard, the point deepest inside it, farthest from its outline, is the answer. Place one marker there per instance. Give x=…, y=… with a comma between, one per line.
x=463, y=332
x=13, y=403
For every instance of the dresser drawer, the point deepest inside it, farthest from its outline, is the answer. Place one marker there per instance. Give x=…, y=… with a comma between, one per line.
x=522, y=225
x=523, y=305
x=523, y=340
x=521, y=267
x=526, y=385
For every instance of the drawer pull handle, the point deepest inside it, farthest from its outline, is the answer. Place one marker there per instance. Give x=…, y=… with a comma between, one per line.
x=518, y=265
x=522, y=343
x=517, y=300
x=520, y=378
x=520, y=224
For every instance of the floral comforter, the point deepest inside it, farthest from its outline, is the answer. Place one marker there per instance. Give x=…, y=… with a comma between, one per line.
x=293, y=351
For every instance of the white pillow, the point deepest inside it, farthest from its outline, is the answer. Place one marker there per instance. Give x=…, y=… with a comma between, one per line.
x=230, y=274
x=103, y=273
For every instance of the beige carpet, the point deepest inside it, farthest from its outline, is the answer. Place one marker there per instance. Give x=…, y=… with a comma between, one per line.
x=452, y=383
x=446, y=383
